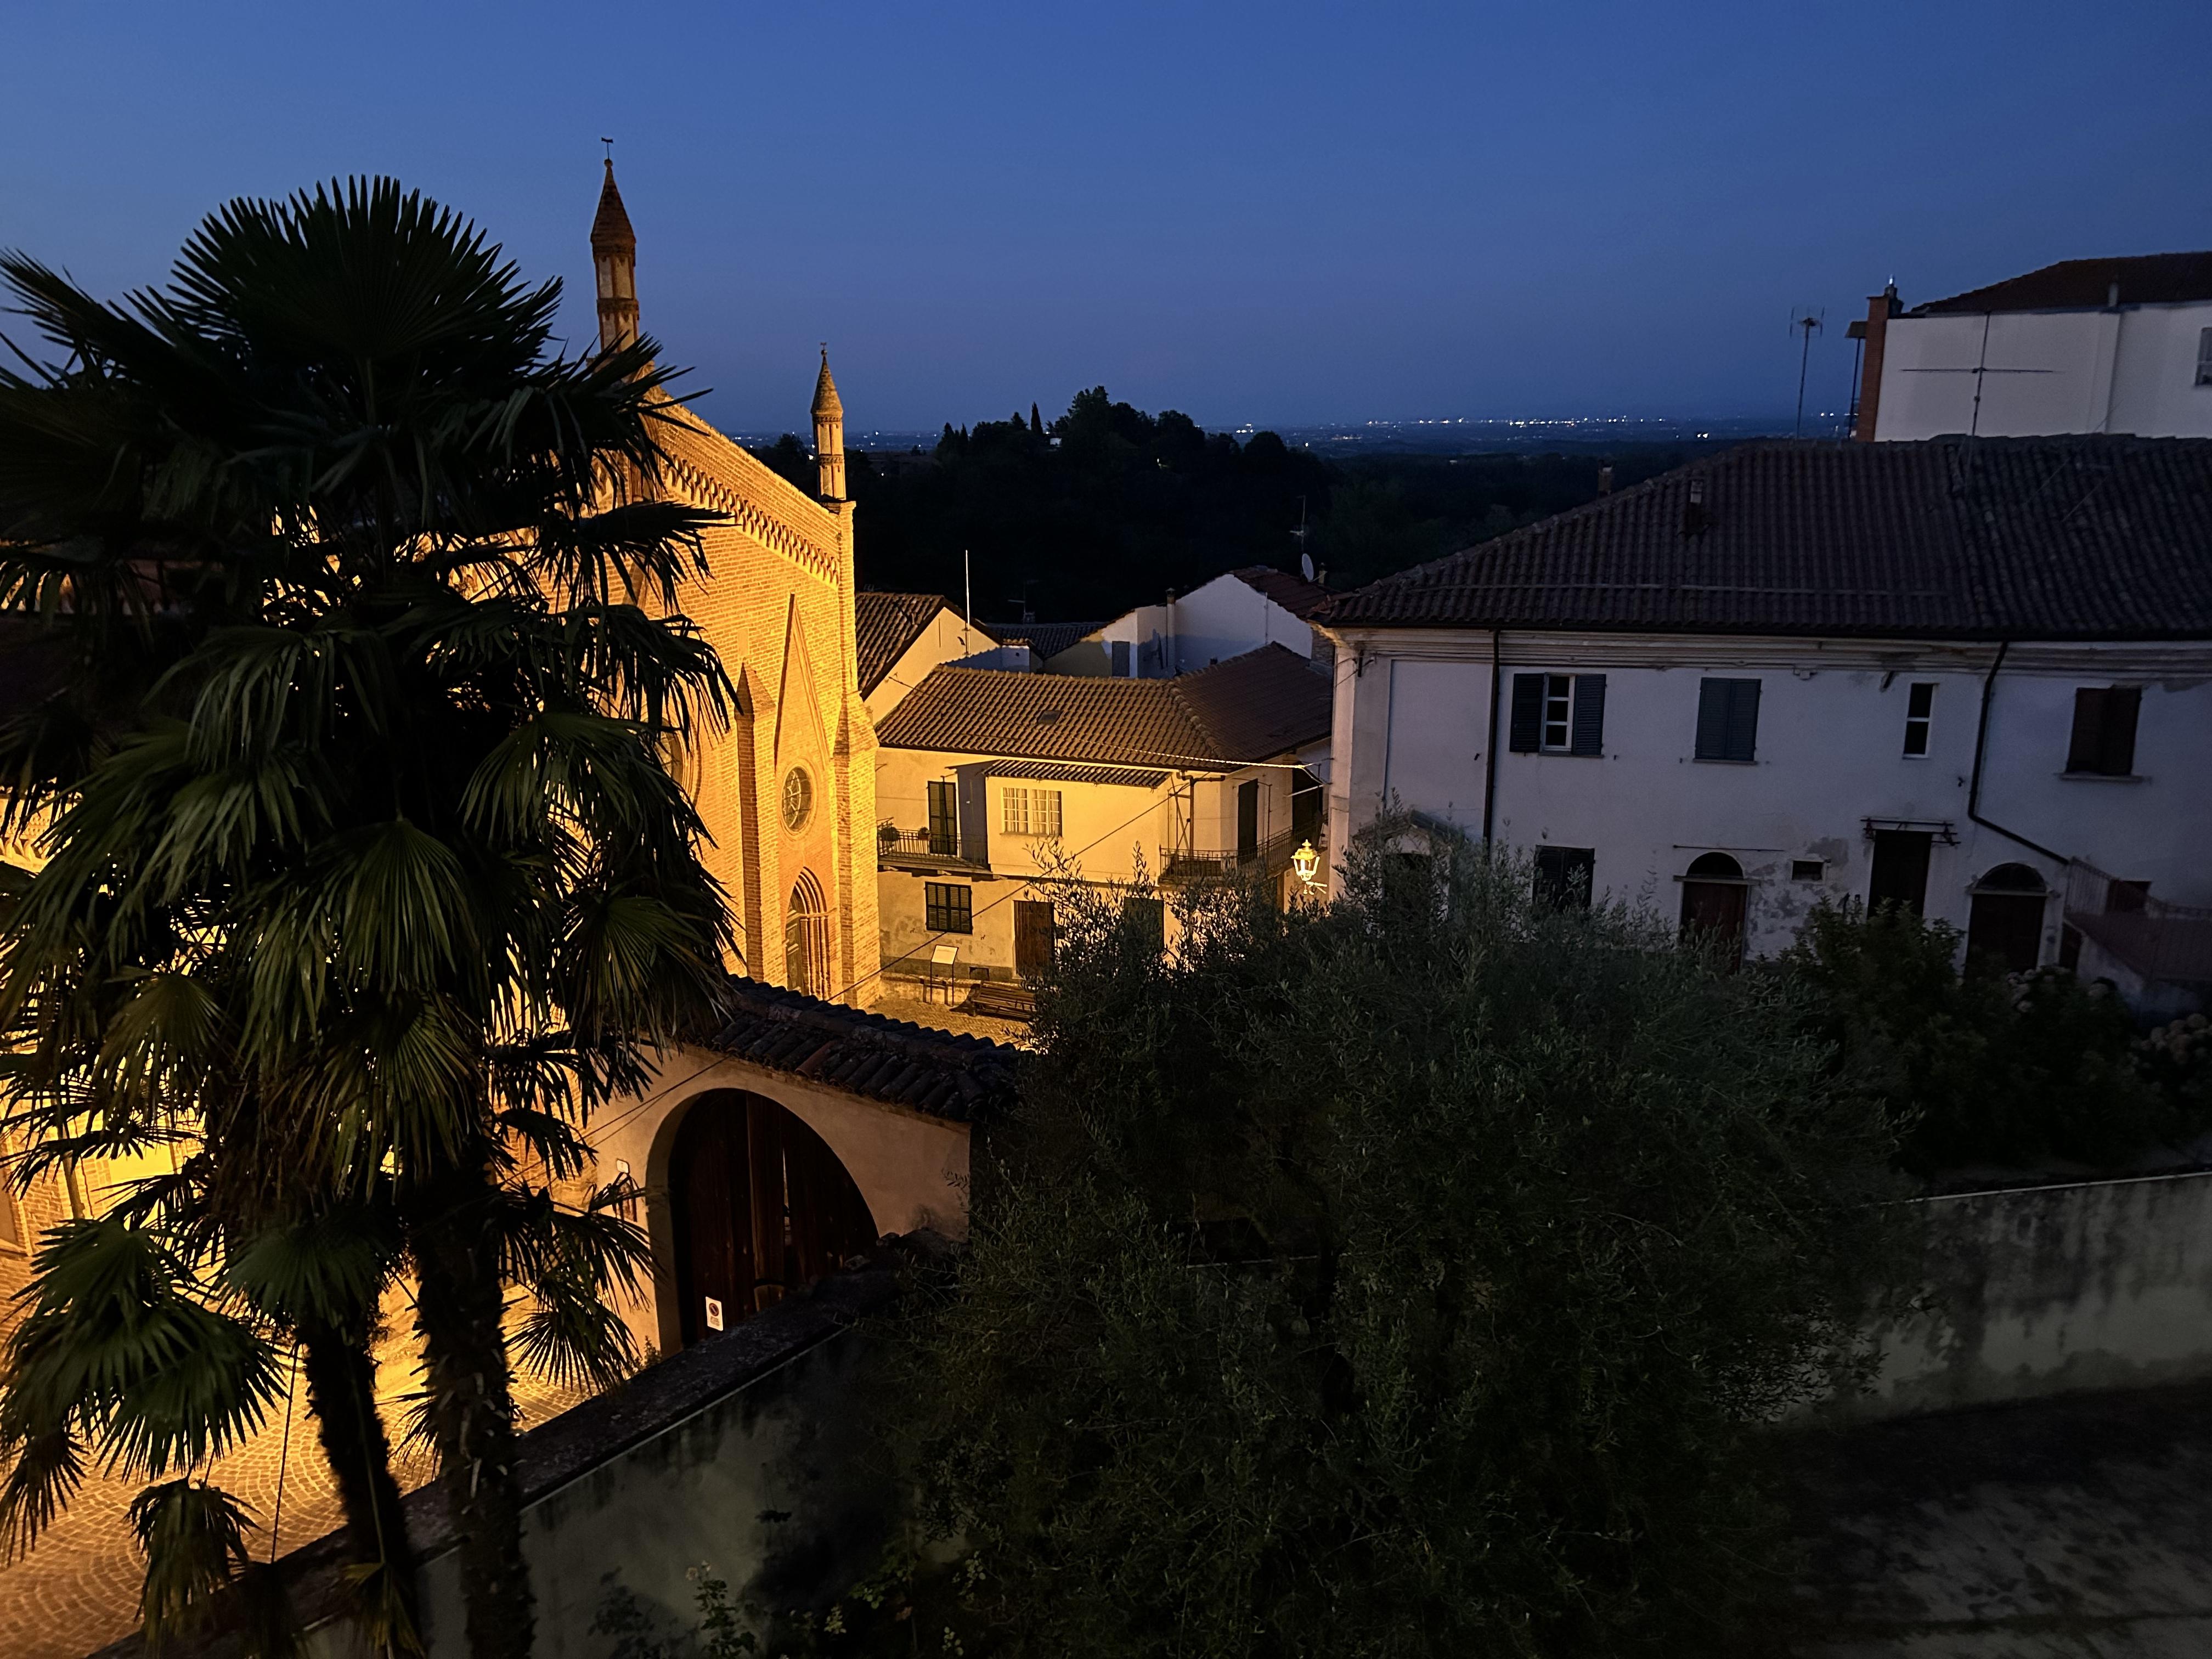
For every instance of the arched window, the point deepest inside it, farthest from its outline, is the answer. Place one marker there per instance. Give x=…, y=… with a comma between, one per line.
x=806, y=937
x=2005, y=926
x=1713, y=895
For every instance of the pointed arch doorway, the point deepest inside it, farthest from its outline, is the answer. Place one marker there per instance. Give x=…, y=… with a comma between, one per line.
x=762, y=1207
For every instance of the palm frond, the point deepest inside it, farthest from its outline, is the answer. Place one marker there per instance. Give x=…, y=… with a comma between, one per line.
x=193, y=1537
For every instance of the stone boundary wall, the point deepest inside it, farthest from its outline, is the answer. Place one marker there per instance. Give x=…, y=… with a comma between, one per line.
x=744, y=1454
x=2053, y=1289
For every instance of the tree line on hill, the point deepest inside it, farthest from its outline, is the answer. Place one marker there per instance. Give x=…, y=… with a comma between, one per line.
x=1108, y=507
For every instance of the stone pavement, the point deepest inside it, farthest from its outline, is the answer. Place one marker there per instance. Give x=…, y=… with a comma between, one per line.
x=2075, y=1528
x=77, y=1589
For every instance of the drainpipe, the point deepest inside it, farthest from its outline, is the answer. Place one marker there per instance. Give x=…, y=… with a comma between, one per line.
x=1981, y=743
x=1489, y=747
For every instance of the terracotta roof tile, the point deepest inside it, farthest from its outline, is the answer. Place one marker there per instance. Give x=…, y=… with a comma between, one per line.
x=1294, y=594
x=2144, y=279
x=884, y=625
x=1248, y=709
x=890, y=1060
x=2047, y=538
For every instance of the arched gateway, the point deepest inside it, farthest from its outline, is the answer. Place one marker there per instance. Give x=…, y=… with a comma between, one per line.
x=795, y=1138
x=760, y=1207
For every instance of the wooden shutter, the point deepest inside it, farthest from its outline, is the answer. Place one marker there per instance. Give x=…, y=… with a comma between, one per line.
x=1712, y=720
x=1742, y=719
x=2118, y=746
x=1527, y=730
x=1247, y=821
x=1590, y=715
x=2085, y=752
x=975, y=814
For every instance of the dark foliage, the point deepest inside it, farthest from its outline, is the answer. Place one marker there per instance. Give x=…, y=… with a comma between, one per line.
x=1973, y=1066
x=1422, y=1272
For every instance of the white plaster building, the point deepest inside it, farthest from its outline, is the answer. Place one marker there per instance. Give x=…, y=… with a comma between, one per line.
x=1234, y=613
x=2088, y=346
x=1972, y=676
x=997, y=787
x=900, y=637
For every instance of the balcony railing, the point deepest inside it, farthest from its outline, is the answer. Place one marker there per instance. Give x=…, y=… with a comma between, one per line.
x=2148, y=936
x=920, y=847
x=1180, y=865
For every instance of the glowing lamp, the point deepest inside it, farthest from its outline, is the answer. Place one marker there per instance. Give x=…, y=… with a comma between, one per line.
x=1306, y=862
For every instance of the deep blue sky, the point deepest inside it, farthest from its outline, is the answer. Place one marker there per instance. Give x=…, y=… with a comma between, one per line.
x=1282, y=213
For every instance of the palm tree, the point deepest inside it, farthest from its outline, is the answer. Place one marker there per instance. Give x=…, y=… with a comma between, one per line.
x=359, y=802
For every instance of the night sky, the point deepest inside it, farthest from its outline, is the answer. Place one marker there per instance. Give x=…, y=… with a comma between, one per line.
x=1275, y=214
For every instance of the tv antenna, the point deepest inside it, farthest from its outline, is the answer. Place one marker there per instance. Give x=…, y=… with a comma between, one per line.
x=1807, y=323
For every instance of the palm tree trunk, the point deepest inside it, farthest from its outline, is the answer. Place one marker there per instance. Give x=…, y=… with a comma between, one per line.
x=341, y=1395
x=459, y=1306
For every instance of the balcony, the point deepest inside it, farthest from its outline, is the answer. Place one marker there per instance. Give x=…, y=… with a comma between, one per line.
x=1181, y=866
x=919, y=850
x=2150, y=937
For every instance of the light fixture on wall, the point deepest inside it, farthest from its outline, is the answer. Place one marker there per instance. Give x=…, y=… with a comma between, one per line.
x=1306, y=862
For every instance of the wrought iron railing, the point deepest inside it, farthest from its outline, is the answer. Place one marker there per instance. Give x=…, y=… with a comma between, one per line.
x=1181, y=865
x=921, y=846
x=2150, y=937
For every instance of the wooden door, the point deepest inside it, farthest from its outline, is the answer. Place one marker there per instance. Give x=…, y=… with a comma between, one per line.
x=1713, y=911
x=1901, y=869
x=1034, y=933
x=762, y=1207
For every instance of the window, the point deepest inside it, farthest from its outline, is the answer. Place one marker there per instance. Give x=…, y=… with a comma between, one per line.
x=948, y=907
x=2204, y=357
x=806, y=937
x=1919, y=706
x=1728, y=720
x=1120, y=659
x=1247, y=821
x=1809, y=869
x=1565, y=876
x=798, y=799
x=1028, y=811
x=944, y=821
x=2103, y=744
x=1558, y=715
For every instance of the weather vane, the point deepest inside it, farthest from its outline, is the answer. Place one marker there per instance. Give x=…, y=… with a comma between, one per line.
x=610, y=143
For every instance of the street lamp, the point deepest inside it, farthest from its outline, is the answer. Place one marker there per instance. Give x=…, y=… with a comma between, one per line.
x=1306, y=862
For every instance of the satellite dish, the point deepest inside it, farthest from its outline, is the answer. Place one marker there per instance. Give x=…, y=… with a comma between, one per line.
x=1305, y=566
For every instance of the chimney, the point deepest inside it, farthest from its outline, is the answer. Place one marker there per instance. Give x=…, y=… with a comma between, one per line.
x=1880, y=307
x=1693, y=510
x=1605, y=480
x=2112, y=296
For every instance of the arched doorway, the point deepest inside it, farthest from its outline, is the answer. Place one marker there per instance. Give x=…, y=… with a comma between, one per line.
x=2006, y=922
x=806, y=937
x=1713, y=894
x=762, y=1207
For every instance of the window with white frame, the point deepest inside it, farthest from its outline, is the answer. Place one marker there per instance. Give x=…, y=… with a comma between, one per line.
x=1919, y=713
x=2205, y=356
x=1024, y=811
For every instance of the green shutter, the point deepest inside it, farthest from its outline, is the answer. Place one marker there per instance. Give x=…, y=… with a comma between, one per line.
x=1588, y=731
x=1527, y=731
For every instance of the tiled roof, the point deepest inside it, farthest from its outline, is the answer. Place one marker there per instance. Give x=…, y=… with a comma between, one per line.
x=1248, y=709
x=863, y=1053
x=2144, y=279
x=1045, y=639
x=1294, y=594
x=2027, y=539
x=884, y=625
x=611, y=224
x=1127, y=777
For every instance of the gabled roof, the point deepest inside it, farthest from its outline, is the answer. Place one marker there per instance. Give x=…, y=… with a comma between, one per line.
x=1294, y=594
x=863, y=1053
x=1251, y=708
x=2143, y=279
x=884, y=625
x=1991, y=538
x=1045, y=639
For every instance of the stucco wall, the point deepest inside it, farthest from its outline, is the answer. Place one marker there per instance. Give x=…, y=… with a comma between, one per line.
x=1413, y=723
x=2052, y=1290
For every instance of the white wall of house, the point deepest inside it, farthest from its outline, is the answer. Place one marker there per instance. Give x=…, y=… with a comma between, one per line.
x=2131, y=369
x=947, y=639
x=1223, y=618
x=1412, y=721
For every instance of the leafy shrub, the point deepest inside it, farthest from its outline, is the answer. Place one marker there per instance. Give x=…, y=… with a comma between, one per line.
x=1974, y=1066
x=1411, y=1276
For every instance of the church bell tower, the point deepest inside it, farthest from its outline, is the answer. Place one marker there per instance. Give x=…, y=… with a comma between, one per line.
x=614, y=261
